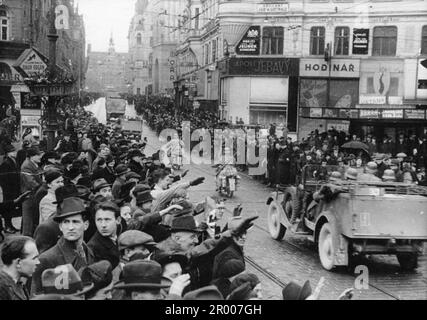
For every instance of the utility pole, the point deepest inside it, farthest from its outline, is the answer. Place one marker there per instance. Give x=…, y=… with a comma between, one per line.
x=52, y=116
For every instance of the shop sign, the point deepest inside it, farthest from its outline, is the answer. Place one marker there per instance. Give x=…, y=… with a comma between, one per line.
x=31, y=63
x=364, y=99
x=369, y=114
x=53, y=90
x=263, y=66
x=395, y=100
x=316, y=112
x=414, y=114
x=392, y=114
x=360, y=41
x=330, y=113
x=338, y=68
x=250, y=43
x=30, y=120
x=339, y=125
x=349, y=113
x=273, y=7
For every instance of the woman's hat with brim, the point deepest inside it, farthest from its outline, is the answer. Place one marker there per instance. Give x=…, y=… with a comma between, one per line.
x=294, y=291
x=141, y=274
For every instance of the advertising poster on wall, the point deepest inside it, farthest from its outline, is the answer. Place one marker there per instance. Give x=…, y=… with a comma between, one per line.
x=343, y=93
x=313, y=93
x=360, y=41
x=250, y=43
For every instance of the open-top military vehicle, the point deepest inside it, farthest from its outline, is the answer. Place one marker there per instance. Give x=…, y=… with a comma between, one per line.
x=346, y=218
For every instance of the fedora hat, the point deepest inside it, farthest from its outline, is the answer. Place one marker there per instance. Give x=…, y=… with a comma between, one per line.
x=133, y=238
x=99, y=184
x=293, y=291
x=143, y=197
x=70, y=207
x=205, y=293
x=184, y=223
x=141, y=274
x=132, y=175
x=389, y=175
x=335, y=176
x=164, y=258
x=100, y=274
x=70, y=284
x=371, y=167
x=187, y=209
x=121, y=169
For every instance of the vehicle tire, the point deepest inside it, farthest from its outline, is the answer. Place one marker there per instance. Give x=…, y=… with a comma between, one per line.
x=407, y=261
x=291, y=204
x=326, y=247
x=276, y=229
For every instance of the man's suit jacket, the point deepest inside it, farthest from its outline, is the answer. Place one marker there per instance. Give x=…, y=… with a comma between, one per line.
x=104, y=248
x=10, y=180
x=62, y=253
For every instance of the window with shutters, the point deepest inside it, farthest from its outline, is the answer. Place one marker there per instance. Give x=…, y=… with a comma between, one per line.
x=424, y=40
x=317, y=41
x=385, y=41
x=272, y=40
x=342, y=39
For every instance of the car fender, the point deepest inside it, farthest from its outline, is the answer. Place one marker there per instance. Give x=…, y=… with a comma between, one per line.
x=340, y=242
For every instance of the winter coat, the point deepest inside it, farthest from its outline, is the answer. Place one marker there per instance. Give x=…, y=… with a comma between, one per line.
x=104, y=248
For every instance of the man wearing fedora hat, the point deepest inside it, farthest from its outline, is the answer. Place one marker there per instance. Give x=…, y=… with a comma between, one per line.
x=141, y=280
x=11, y=185
x=102, y=188
x=70, y=248
x=31, y=180
x=135, y=245
x=121, y=171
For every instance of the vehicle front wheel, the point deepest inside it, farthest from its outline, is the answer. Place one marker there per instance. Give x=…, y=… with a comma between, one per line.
x=276, y=229
x=326, y=247
x=408, y=261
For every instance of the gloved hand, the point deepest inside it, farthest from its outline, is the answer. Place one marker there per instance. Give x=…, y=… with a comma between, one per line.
x=237, y=212
x=244, y=226
x=197, y=181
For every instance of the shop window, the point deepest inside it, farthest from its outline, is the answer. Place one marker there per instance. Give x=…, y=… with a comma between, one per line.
x=386, y=89
x=385, y=41
x=343, y=93
x=4, y=26
x=424, y=40
x=342, y=35
x=317, y=41
x=272, y=40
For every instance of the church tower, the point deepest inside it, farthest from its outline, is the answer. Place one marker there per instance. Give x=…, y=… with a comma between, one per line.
x=111, y=49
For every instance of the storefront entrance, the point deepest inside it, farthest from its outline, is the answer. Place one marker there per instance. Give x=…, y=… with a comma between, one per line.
x=390, y=128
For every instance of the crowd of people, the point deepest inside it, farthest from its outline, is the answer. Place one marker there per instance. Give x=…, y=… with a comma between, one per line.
x=114, y=223
x=402, y=161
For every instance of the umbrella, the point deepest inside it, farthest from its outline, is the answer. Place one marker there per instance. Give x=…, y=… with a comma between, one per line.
x=355, y=145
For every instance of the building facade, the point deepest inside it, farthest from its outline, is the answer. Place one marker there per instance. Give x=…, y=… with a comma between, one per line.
x=108, y=72
x=313, y=64
x=24, y=26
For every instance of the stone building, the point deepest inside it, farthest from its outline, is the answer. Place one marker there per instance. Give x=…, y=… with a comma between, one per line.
x=107, y=71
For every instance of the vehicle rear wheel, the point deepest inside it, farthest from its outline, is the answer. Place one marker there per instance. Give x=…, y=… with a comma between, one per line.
x=408, y=261
x=326, y=247
x=276, y=229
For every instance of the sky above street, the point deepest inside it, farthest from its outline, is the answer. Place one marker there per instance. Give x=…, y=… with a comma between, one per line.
x=102, y=17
